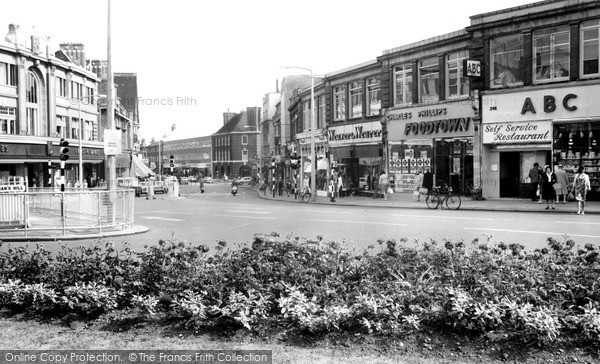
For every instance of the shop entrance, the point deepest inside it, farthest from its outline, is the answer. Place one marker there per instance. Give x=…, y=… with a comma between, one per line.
x=510, y=174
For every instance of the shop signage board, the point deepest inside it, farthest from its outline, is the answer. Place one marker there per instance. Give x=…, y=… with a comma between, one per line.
x=354, y=133
x=548, y=104
x=448, y=120
x=517, y=133
x=112, y=142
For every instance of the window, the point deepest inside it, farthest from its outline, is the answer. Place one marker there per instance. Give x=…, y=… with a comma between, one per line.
x=403, y=85
x=61, y=86
x=32, y=104
x=551, y=54
x=508, y=64
x=456, y=84
x=74, y=128
x=61, y=126
x=306, y=122
x=356, y=99
x=8, y=74
x=90, y=94
x=89, y=129
x=590, y=48
x=245, y=155
x=429, y=80
x=244, y=139
x=373, y=96
x=322, y=110
x=76, y=90
x=7, y=120
x=339, y=103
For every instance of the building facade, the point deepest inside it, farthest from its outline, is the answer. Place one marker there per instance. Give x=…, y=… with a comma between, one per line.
x=45, y=97
x=235, y=145
x=541, y=83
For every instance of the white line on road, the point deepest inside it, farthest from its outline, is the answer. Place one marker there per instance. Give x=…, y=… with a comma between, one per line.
x=577, y=222
x=445, y=217
x=247, y=217
x=160, y=218
x=534, y=232
x=248, y=212
x=359, y=222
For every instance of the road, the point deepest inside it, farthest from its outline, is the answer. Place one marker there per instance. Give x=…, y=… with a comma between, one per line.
x=216, y=214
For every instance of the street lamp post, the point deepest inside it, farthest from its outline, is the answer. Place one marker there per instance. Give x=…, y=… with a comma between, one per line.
x=313, y=162
x=80, y=179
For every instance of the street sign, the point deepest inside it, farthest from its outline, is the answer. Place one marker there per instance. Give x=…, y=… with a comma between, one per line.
x=471, y=68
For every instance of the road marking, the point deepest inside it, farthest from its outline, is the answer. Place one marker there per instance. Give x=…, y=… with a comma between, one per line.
x=247, y=217
x=359, y=222
x=535, y=232
x=446, y=217
x=248, y=212
x=160, y=218
x=577, y=222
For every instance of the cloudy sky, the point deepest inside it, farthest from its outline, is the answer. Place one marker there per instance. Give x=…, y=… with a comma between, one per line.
x=198, y=59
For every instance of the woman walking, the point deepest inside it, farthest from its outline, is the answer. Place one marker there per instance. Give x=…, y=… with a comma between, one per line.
x=384, y=184
x=548, y=192
x=581, y=185
x=561, y=177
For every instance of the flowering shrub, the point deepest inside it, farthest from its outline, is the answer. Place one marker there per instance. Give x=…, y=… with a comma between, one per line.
x=391, y=288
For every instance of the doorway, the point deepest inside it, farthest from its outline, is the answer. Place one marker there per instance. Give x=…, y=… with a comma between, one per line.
x=510, y=174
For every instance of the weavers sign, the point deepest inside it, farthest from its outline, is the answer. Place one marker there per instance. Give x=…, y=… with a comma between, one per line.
x=517, y=133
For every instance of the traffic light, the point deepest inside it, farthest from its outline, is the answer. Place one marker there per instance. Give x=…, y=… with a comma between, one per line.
x=172, y=161
x=63, y=149
x=295, y=161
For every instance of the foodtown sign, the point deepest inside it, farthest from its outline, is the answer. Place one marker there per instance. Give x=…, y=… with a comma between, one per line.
x=354, y=133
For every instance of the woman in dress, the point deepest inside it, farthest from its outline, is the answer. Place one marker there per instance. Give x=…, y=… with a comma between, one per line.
x=581, y=184
x=548, y=193
x=561, y=177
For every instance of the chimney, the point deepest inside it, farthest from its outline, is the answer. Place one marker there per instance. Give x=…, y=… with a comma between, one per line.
x=227, y=116
x=75, y=51
x=252, y=116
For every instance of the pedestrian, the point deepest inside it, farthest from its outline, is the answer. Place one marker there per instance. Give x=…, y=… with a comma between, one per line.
x=375, y=181
x=418, y=185
x=561, y=177
x=384, y=184
x=150, y=189
x=332, y=186
x=288, y=186
x=201, y=179
x=428, y=180
x=295, y=186
x=306, y=184
x=340, y=185
x=274, y=186
x=534, y=176
x=548, y=179
x=280, y=185
x=581, y=185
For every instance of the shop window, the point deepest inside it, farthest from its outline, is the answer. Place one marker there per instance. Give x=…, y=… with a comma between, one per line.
x=506, y=58
x=356, y=99
x=456, y=84
x=321, y=117
x=403, y=85
x=590, y=48
x=429, y=79
x=551, y=54
x=373, y=96
x=339, y=103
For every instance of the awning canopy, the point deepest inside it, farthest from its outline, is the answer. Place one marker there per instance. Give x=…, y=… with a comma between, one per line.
x=139, y=169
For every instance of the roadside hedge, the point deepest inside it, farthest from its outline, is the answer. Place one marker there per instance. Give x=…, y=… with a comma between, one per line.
x=391, y=288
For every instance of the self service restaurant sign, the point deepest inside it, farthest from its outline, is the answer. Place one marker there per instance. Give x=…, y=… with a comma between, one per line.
x=517, y=133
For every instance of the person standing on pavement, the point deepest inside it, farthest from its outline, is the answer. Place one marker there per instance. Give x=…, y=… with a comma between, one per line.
x=428, y=180
x=333, y=186
x=384, y=184
x=340, y=185
x=150, y=191
x=375, y=181
x=534, y=176
x=201, y=180
x=581, y=184
x=548, y=179
x=561, y=177
x=418, y=185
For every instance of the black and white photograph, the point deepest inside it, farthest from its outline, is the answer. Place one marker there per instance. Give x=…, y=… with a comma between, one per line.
x=300, y=182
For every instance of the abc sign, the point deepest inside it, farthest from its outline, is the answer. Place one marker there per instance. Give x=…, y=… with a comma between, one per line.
x=471, y=68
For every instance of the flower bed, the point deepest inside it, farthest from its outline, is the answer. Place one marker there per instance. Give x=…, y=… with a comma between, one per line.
x=539, y=297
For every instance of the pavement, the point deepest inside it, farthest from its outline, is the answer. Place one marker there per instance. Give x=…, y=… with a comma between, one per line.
x=409, y=201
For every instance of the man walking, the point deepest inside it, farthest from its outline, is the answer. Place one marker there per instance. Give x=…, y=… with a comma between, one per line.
x=534, y=176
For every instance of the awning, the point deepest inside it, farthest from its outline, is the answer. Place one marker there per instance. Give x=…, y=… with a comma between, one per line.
x=139, y=169
x=322, y=164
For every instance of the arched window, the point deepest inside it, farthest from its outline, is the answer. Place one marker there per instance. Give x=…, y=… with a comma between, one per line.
x=32, y=93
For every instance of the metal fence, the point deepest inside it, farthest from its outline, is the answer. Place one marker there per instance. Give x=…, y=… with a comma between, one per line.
x=73, y=211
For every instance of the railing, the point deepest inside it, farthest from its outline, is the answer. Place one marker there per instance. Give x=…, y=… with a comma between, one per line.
x=57, y=213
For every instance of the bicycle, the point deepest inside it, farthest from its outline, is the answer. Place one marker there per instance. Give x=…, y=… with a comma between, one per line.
x=305, y=195
x=433, y=199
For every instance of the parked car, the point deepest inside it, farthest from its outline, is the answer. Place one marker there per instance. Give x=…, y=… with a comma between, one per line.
x=208, y=180
x=193, y=179
x=130, y=182
x=184, y=180
x=245, y=180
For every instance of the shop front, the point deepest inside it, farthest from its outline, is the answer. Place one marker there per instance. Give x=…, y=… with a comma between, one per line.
x=356, y=153
x=301, y=147
x=558, y=126
x=39, y=164
x=438, y=139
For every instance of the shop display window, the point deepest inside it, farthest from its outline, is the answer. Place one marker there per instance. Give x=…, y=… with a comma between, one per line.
x=508, y=63
x=576, y=144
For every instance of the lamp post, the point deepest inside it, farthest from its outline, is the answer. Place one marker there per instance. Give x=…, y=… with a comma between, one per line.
x=313, y=162
x=80, y=179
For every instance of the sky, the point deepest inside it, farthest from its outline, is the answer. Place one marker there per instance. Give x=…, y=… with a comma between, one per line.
x=197, y=59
